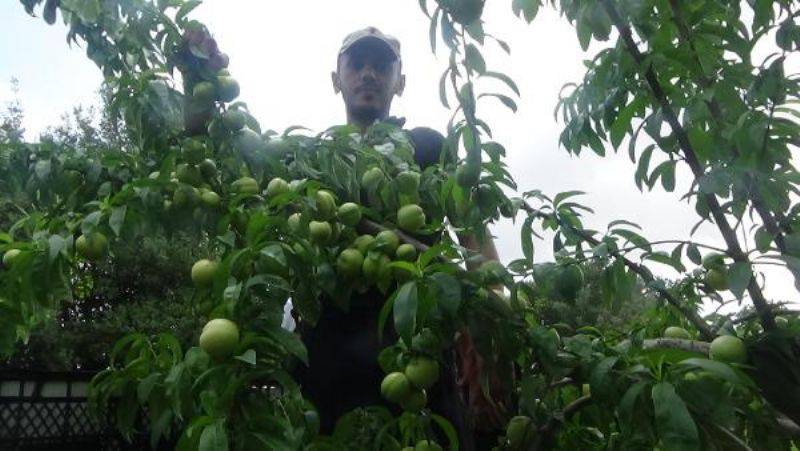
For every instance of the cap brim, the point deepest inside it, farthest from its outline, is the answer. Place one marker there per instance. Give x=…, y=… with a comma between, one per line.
x=369, y=41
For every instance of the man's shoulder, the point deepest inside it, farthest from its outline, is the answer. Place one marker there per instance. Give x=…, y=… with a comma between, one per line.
x=428, y=144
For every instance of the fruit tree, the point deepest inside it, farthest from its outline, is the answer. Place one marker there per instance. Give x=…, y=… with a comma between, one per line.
x=316, y=218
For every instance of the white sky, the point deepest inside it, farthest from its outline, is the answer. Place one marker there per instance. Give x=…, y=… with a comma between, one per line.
x=282, y=54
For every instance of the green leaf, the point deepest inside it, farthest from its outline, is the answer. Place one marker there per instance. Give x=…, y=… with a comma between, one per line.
x=622, y=123
x=214, y=437
x=443, y=89
x=628, y=403
x=643, y=166
x=449, y=431
x=673, y=421
x=739, y=277
x=565, y=195
x=701, y=142
x=507, y=101
x=117, y=218
x=405, y=311
x=763, y=239
x=146, y=386
x=505, y=79
x=474, y=60
x=668, y=175
x=719, y=369
x=248, y=356
x=528, y=8
x=634, y=238
x=527, y=239
x=291, y=342
x=694, y=254
x=666, y=260
x=448, y=292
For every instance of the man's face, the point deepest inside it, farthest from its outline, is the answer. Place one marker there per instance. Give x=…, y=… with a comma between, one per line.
x=368, y=76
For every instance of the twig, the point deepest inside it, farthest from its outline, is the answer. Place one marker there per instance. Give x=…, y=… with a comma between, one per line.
x=551, y=427
x=671, y=343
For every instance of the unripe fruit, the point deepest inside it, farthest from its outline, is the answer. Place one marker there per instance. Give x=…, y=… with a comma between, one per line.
x=415, y=401
x=320, y=231
x=376, y=266
x=717, y=279
x=349, y=214
x=294, y=222
x=569, y=281
x=10, y=256
x=92, y=248
x=208, y=168
x=277, y=146
x=185, y=196
x=276, y=187
x=210, y=199
x=349, y=263
x=395, y=387
x=234, y=120
x=387, y=241
x=676, y=332
x=426, y=342
x=188, y=174
x=363, y=243
x=519, y=432
x=204, y=93
x=714, y=260
x=326, y=205
x=248, y=142
x=586, y=390
x=425, y=445
x=228, y=88
x=408, y=182
x=245, y=185
x=219, y=338
x=729, y=349
x=411, y=217
x=203, y=272
x=372, y=179
x=193, y=150
x=782, y=322
x=406, y=252
x=422, y=372
x=468, y=175
x=493, y=272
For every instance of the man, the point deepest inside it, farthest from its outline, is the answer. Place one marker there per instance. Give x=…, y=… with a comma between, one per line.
x=343, y=347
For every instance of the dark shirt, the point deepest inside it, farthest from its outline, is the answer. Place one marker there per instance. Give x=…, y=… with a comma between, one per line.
x=343, y=347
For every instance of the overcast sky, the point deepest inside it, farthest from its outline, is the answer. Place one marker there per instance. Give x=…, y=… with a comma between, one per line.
x=282, y=53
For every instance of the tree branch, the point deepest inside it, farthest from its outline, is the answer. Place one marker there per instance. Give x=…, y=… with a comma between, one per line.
x=705, y=330
x=770, y=223
x=734, y=250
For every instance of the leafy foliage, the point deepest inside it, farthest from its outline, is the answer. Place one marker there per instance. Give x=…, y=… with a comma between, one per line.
x=193, y=164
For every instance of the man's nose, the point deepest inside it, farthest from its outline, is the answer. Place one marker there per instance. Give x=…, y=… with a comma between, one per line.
x=368, y=73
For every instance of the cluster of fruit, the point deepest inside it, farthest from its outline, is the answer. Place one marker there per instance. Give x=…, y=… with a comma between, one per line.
x=92, y=247
x=716, y=276
x=408, y=387
x=725, y=348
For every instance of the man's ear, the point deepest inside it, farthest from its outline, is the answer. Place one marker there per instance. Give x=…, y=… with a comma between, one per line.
x=401, y=85
x=337, y=84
